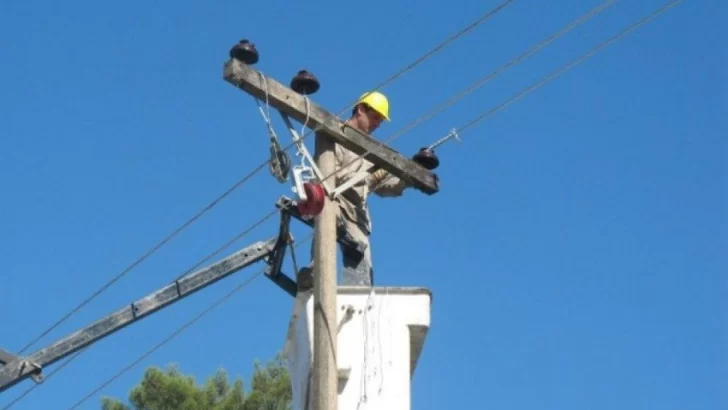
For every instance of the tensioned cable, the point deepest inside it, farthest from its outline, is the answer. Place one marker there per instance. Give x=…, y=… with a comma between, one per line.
x=479, y=83
x=234, y=239
x=142, y=258
x=178, y=331
x=442, y=45
x=570, y=64
x=567, y=66
x=237, y=184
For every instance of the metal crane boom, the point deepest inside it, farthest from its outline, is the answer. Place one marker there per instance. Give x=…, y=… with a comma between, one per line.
x=16, y=369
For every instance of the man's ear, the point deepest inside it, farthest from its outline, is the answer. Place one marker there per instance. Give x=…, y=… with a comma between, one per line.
x=360, y=109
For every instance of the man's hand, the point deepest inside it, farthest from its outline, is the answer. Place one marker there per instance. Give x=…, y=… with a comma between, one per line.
x=427, y=158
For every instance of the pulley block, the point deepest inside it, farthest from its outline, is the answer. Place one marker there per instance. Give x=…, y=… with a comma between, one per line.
x=245, y=51
x=280, y=162
x=305, y=83
x=427, y=158
x=315, y=199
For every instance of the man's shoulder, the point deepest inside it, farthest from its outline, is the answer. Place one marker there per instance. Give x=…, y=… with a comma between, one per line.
x=346, y=155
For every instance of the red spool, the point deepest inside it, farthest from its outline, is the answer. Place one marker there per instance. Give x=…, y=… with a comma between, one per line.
x=315, y=202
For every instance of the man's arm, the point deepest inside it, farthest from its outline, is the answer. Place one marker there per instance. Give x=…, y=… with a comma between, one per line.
x=385, y=184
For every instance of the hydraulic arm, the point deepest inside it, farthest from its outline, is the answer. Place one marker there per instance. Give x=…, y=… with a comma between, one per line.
x=15, y=369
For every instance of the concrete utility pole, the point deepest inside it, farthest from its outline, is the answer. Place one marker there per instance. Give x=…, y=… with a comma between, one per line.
x=330, y=130
x=324, y=372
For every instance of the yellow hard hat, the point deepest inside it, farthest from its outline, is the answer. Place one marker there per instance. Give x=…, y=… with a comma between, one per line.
x=377, y=101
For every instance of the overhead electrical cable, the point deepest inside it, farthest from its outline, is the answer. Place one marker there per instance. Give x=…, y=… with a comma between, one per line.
x=571, y=64
x=140, y=260
x=482, y=81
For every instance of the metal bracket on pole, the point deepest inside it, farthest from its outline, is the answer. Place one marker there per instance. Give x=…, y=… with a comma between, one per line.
x=303, y=151
x=365, y=174
x=287, y=205
x=275, y=259
x=25, y=368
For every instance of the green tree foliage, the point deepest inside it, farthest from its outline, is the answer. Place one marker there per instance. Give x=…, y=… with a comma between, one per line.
x=171, y=390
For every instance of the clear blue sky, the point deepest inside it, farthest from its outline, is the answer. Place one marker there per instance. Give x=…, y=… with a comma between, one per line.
x=576, y=251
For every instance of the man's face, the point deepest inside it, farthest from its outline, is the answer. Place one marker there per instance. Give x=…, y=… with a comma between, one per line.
x=369, y=119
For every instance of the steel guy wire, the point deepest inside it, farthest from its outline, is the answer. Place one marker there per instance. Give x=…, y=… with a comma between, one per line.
x=240, y=182
x=188, y=271
x=482, y=81
x=179, y=330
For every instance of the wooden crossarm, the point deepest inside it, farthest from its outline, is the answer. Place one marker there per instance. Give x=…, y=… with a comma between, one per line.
x=292, y=104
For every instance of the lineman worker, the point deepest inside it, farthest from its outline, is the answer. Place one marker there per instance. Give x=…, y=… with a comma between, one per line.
x=353, y=218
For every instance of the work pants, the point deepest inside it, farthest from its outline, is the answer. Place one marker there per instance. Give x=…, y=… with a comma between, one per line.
x=358, y=269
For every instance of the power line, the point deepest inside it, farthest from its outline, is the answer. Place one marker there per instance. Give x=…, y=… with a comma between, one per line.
x=177, y=332
x=479, y=83
x=240, y=182
x=439, y=47
x=570, y=64
x=561, y=69
x=168, y=338
x=142, y=258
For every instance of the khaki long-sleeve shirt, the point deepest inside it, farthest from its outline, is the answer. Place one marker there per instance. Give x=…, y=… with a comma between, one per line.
x=353, y=202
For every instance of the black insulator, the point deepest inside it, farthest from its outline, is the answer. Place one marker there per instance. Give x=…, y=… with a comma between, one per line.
x=245, y=51
x=305, y=83
x=427, y=158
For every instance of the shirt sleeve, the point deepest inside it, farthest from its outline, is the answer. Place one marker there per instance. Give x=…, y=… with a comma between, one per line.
x=385, y=184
